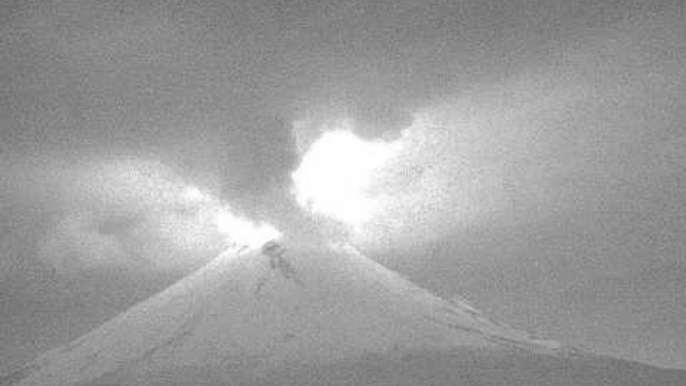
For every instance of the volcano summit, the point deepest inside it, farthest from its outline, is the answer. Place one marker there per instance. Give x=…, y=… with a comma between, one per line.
x=290, y=314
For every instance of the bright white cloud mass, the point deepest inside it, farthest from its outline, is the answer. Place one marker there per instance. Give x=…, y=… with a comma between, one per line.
x=243, y=230
x=436, y=173
x=453, y=167
x=337, y=173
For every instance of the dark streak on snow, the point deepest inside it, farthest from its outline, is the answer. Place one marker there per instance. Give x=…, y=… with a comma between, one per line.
x=454, y=326
x=259, y=286
x=493, y=338
x=275, y=252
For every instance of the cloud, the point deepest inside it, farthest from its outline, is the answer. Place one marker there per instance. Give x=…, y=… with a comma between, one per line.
x=133, y=213
x=593, y=129
x=522, y=96
x=74, y=246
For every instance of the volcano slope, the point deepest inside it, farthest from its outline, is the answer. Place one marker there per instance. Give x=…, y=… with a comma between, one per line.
x=316, y=315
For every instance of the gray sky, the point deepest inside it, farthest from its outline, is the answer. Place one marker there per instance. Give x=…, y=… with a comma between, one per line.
x=549, y=189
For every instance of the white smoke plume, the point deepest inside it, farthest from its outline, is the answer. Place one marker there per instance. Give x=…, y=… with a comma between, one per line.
x=139, y=213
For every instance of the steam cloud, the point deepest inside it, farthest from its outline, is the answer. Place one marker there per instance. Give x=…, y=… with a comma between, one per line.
x=132, y=213
x=216, y=95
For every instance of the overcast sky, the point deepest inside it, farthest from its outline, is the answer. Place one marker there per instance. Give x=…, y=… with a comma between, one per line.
x=543, y=174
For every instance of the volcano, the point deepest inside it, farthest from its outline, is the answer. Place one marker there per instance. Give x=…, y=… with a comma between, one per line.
x=293, y=314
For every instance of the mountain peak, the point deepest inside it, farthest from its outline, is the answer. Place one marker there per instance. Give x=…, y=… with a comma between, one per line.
x=255, y=309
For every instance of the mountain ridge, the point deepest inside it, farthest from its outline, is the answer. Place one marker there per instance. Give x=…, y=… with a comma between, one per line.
x=252, y=312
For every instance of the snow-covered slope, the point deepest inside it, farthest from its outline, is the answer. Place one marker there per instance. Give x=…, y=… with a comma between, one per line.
x=261, y=314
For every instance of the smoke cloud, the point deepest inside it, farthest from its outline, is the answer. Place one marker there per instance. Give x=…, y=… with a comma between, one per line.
x=522, y=114
x=132, y=213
